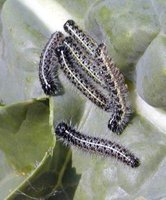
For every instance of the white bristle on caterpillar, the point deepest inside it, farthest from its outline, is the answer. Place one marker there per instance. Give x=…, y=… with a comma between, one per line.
x=96, y=145
x=48, y=66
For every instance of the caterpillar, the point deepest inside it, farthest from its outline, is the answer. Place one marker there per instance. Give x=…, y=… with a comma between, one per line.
x=96, y=145
x=84, y=39
x=104, y=72
x=115, y=81
x=81, y=81
x=48, y=66
x=88, y=64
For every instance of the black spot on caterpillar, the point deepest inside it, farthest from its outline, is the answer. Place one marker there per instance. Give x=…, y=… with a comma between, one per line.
x=81, y=81
x=96, y=145
x=48, y=66
x=79, y=35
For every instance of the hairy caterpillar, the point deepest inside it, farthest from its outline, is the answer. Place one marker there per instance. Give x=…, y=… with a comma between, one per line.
x=84, y=39
x=81, y=81
x=103, y=71
x=96, y=145
x=115, y=81
x=49, y=64
x=88, y=66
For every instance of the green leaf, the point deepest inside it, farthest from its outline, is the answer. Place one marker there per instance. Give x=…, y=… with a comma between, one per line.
x=75, y=5
x=31, y=166
x=151, y=73
x=25, y=126
x=25, y=137
x=128, y=27
x=134, y=32
x=23, y=38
